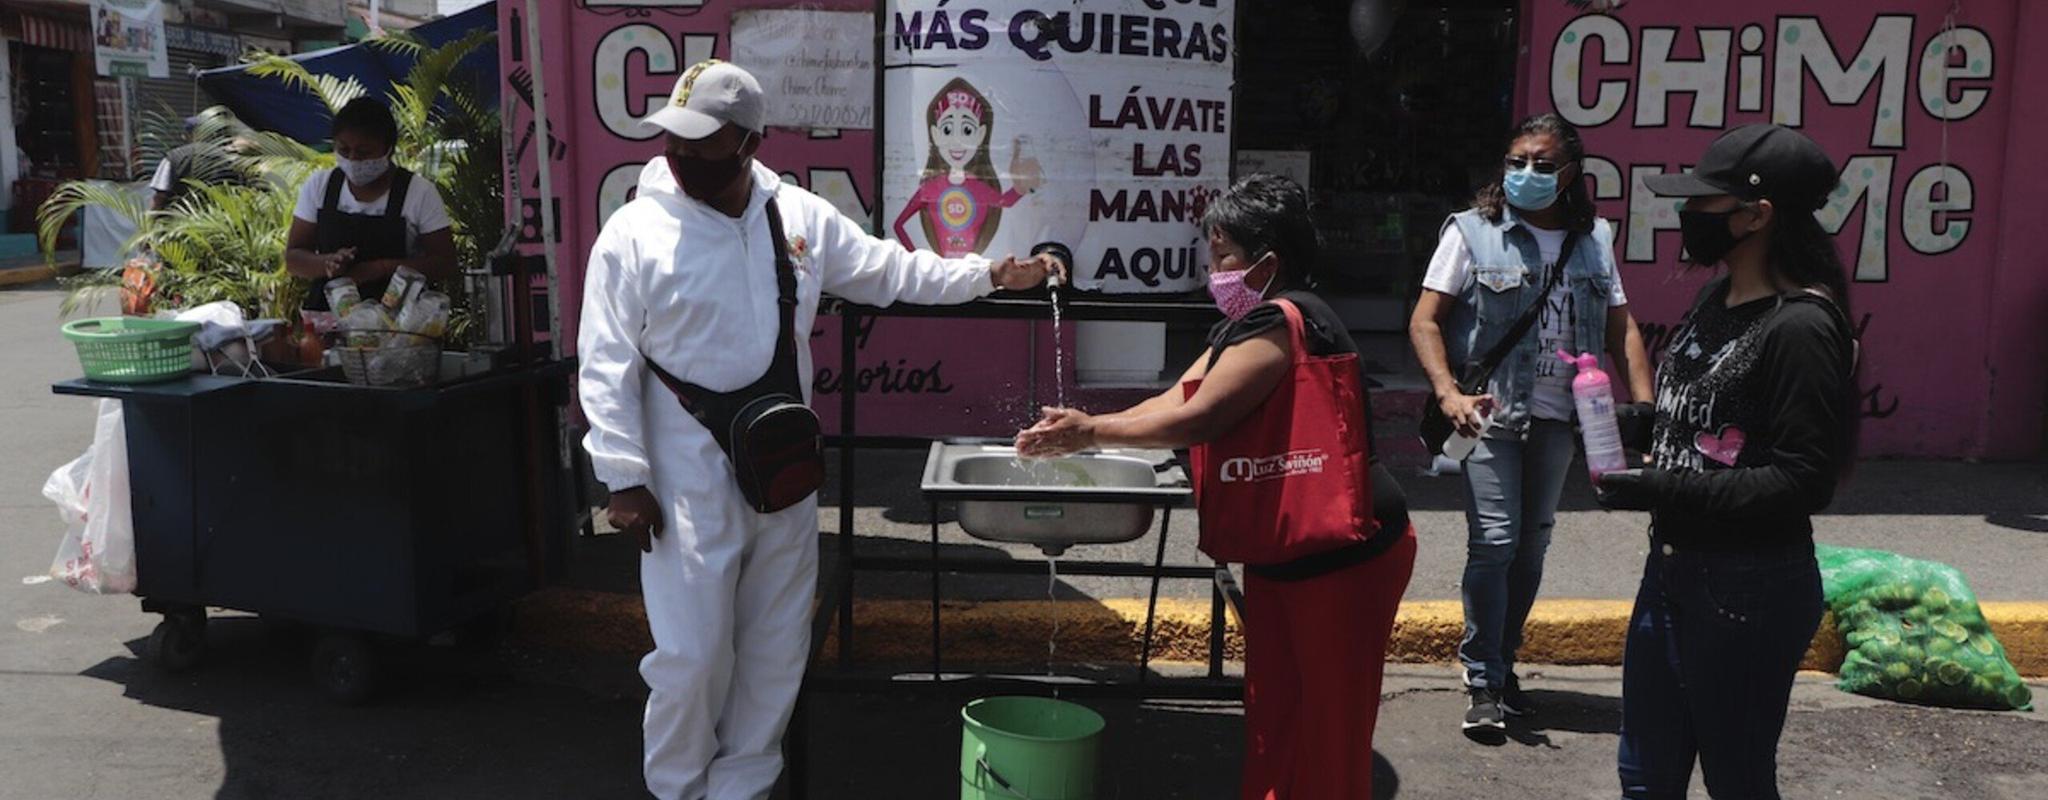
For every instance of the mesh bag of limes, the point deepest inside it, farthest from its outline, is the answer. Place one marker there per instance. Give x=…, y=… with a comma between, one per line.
x=1914, y=633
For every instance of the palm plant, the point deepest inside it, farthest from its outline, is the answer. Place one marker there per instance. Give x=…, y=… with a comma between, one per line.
x=161, y=134
x=424, y=104
x=228, y=243
x=219, y=152
x=224, y=239
x=87, y=290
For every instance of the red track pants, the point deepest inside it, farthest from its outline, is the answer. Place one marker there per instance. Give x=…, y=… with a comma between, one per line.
x=1315, y=651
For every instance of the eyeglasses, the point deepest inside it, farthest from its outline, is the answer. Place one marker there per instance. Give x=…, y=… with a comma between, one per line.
x=1543, y=166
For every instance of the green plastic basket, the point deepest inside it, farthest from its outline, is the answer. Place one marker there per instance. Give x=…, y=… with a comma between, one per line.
x=132, y=349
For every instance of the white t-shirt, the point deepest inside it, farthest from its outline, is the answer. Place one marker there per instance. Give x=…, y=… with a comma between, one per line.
x=1450, y=272
x=424, y=212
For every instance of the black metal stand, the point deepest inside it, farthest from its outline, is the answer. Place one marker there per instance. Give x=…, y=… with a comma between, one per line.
x=838, y=605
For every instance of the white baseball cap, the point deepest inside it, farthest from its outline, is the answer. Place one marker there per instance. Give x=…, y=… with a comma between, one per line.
x=708, y=96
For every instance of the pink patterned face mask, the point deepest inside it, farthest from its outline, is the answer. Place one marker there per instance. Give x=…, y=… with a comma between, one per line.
x=1232, y=296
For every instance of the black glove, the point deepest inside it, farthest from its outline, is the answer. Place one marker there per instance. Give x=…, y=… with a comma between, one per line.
x=1636, y=421
x=1630, y=489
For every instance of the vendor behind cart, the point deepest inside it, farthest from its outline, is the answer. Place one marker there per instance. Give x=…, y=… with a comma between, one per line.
x=365, y=219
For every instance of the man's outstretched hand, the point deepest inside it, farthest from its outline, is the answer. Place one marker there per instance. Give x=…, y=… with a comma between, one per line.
x=1029, y=273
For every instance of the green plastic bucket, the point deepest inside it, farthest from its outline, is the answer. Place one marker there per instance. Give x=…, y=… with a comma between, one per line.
x=1028, y=748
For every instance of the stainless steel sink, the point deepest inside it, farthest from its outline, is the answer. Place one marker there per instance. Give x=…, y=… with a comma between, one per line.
x=1096, y=497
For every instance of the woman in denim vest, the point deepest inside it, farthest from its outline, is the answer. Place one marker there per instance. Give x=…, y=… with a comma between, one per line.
x=1491, y=265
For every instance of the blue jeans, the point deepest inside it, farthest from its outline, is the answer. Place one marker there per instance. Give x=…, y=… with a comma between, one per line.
x=1512, y=488
x=1712, y=649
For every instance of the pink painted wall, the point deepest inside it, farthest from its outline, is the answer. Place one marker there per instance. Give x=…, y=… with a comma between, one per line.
x=1955, y=359
x=605, y=65
x=2012, y=428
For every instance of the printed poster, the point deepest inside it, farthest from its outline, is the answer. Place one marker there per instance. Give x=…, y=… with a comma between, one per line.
x=128, y=38
x=1104, y=127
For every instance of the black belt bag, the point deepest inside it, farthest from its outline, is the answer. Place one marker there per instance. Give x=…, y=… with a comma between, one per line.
x=772, y=438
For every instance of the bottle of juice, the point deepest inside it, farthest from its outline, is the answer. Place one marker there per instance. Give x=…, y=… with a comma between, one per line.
x=311, y=349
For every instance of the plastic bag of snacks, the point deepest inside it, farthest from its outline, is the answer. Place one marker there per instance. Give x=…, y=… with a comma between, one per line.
x=1914, y=632
x=366, y=325
x=426, y=315
x=383, y=346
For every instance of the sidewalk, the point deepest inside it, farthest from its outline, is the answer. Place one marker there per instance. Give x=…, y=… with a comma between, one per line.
x=86, y=719
x=1990, y=521
x=33, y=269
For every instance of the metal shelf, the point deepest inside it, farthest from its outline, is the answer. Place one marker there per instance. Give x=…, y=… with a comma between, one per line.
x=839, y=601
x=1035, y=305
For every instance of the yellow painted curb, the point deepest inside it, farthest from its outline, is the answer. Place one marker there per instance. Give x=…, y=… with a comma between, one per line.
x=1098, y=631
x=17, y=276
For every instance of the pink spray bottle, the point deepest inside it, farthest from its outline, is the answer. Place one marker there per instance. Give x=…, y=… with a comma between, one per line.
x=1593, y=394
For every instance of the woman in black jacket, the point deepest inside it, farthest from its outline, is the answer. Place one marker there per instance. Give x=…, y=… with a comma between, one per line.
x=1754, y=425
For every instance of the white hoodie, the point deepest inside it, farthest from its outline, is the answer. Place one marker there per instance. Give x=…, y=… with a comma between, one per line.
x=673, y=279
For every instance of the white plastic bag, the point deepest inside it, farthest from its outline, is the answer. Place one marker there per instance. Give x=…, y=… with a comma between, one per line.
x=91, y=493
x=221, y=312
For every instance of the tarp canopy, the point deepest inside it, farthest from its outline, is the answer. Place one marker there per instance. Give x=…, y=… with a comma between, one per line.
x=268, y=104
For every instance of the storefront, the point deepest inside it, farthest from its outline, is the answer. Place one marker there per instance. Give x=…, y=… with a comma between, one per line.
x=192, y=49
x=53, y=119
x=1393, y=113
x=278, y=21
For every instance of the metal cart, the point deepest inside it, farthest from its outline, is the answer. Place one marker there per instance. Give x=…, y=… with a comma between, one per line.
x=376, y=515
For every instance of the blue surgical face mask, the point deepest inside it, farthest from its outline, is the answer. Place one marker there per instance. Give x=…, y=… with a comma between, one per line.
x=1530, y=190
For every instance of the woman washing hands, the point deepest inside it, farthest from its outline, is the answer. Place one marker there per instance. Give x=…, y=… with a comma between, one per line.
x=1317, y=618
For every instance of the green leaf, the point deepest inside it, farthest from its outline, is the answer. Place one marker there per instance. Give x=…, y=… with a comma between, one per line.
x=334, y=92
x=73, y=197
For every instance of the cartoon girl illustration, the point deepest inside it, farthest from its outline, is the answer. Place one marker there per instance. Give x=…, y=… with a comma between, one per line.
x=960, y=197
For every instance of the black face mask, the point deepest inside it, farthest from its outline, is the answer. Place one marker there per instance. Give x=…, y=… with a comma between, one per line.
x=704, y=178
x=1706, y=236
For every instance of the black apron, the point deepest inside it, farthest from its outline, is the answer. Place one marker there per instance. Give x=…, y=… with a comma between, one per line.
x=374, y=236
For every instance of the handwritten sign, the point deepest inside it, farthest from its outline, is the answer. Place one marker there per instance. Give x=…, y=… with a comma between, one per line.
x=818, y=67
x=1104, y=127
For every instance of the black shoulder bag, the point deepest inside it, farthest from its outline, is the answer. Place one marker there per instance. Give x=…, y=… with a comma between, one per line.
x=770, y=435
x=1437, y=428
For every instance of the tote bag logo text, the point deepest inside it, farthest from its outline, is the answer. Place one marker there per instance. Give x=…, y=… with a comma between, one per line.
x=1266, y=468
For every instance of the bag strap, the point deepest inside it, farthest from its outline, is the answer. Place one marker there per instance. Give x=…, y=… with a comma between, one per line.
x=783, y=369
x=785, y=290
x=335, y=181
x=1297, y=331
x=1501, y=349
x=394, y=198
x=1297, y=327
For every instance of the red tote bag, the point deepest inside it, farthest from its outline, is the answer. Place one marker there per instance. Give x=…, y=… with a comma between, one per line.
x=1291, y=479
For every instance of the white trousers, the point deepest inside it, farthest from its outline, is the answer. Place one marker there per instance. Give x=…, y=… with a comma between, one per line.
x=729, y=596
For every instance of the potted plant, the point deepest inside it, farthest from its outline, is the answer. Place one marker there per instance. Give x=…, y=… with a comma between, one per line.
x=224, y=239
